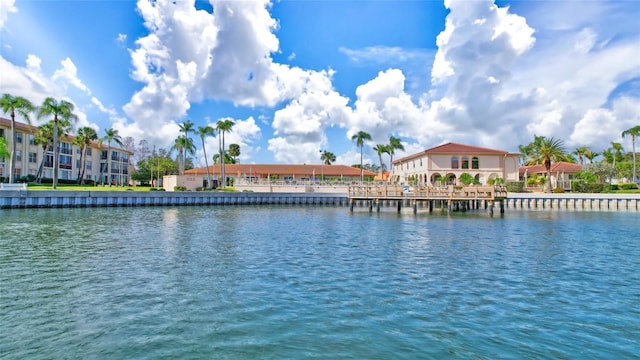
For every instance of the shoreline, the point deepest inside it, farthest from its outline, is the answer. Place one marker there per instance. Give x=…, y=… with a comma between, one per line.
x=21, y=199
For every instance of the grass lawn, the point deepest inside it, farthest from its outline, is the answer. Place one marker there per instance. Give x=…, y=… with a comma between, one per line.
x=72, y=187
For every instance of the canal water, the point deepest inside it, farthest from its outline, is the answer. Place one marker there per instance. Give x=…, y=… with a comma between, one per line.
x=294, y=282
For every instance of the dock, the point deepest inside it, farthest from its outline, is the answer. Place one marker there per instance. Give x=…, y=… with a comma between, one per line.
x=451, y=198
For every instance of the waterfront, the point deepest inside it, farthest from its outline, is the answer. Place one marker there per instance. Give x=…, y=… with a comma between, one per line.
x=317, y=282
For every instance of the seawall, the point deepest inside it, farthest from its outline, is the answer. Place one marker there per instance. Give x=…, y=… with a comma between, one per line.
x=630, y=202
x=18, y=199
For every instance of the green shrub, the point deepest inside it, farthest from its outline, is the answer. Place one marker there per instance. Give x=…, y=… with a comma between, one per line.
x=584, y=187
x=179, y=188
x=613, y=187
x=558, y=190
x=515, y=186
x=627, y=186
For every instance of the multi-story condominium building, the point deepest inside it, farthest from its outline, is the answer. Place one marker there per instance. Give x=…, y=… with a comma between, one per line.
x=445, y=163
x=29, y=155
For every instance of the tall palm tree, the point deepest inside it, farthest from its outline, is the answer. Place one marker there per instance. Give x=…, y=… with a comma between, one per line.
x=83, y=139
x=546, y=151
x=110, y=135
x=591, y=155
x=223, y=126
x=359, y=138
x=205, y=131
x=327, y=157
x=617, y=151
x=381, y=149
x=186, y=128
x=61, y=110
x=394, y=144
x=22, y=106
x=633, y=132
x=580, y=153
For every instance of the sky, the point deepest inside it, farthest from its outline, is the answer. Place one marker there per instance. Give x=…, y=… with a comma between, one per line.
x=298, y=77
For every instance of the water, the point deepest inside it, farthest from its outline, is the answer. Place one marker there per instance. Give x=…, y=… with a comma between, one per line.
x=317, y=282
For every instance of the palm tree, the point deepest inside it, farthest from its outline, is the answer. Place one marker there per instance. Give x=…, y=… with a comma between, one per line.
x=394, y=144
x=61, y=110
x=205, y=131
x=547, y=150
x=186, y=128
x=327, y=157
x=381, y=149
x=617, y=151
x=110, y=135
x=633, y=132
x=591, y=155
x=234, y=152
x=83, y=139
x=223, y=126
x=3, y=148
x=184, y=145
x=359, y=138
x=23, y=107
x=580, y=153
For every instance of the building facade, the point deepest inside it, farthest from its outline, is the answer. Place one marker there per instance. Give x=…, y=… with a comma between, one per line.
x=443, y=165
x=30, y=155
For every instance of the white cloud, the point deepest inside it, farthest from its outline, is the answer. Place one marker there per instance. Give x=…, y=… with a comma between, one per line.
x=69, y=73
x=6, y=7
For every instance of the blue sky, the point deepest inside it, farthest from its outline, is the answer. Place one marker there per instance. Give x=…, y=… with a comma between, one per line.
x=300, y=76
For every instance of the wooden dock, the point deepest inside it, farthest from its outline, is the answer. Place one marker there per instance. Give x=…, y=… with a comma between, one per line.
x=453, y=197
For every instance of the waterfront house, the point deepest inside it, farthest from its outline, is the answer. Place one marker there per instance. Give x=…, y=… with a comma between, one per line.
x=29, y=155
x=562, y=173
x=443, y=165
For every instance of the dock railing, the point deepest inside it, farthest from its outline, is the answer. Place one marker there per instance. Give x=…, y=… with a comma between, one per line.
x=486, y=192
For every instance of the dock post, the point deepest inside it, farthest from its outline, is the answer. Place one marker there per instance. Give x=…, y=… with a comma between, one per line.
x=449, y=206
x=370, y=206
x=501, y=206
x=351, y=204
x=377, y=205
x=399, y=205
x=491, y=208
x=430, y=206
x=415, y=206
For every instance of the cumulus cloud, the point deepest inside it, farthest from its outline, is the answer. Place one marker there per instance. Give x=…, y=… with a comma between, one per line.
x=6, y=7
x=69, y=73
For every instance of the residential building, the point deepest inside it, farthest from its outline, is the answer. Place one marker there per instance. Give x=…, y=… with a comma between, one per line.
x=562, y=173
x=443, y=165
x=29, y=155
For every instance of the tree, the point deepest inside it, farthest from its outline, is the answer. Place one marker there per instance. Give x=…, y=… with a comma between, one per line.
x=327, y=157
x=633, y=132
x=617, y=151
x=359, y=138
x=580, y=153
x=4, y=152
x=394, y=144
x=544, y=151
x=185, y=146
x=83, y=139
x=234, y=152
x=110, y=135
x=186, y=128
x=61, y=110
x=142, y=150
x=12, y=104
x=223, y=126
x=590, y=155
x=205, y=131
x=381, y=149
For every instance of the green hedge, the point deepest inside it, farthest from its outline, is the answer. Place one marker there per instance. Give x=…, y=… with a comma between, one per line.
x=515, y=186
x=583, y=187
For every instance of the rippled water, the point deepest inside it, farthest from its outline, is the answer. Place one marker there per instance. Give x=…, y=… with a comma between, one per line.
x=317, y=282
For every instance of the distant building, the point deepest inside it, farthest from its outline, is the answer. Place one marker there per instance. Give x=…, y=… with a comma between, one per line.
x=445, y=163
x=562, y=173
x=29, y=155
x=277, y=173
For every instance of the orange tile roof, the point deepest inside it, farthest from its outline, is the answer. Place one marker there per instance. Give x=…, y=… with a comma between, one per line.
x=264, y=170
x=556, y=167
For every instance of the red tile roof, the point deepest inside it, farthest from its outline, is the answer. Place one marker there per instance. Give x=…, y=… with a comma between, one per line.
x=555, y=168
x=264, y=170
x=451, y=148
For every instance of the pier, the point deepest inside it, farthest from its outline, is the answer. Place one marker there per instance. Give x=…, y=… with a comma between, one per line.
x=451, y=198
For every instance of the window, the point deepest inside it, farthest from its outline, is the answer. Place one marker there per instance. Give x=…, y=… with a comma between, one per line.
x=65, y=162
x=88, y=164
x=48, y=160
x=65, y=148
x=33, y=157
x=18, y=155
x=454, y=162
x=32, y=139
x=465, y=162
x=18, y=138
x=475, y=163
x=88, y=152
x=103, y=155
